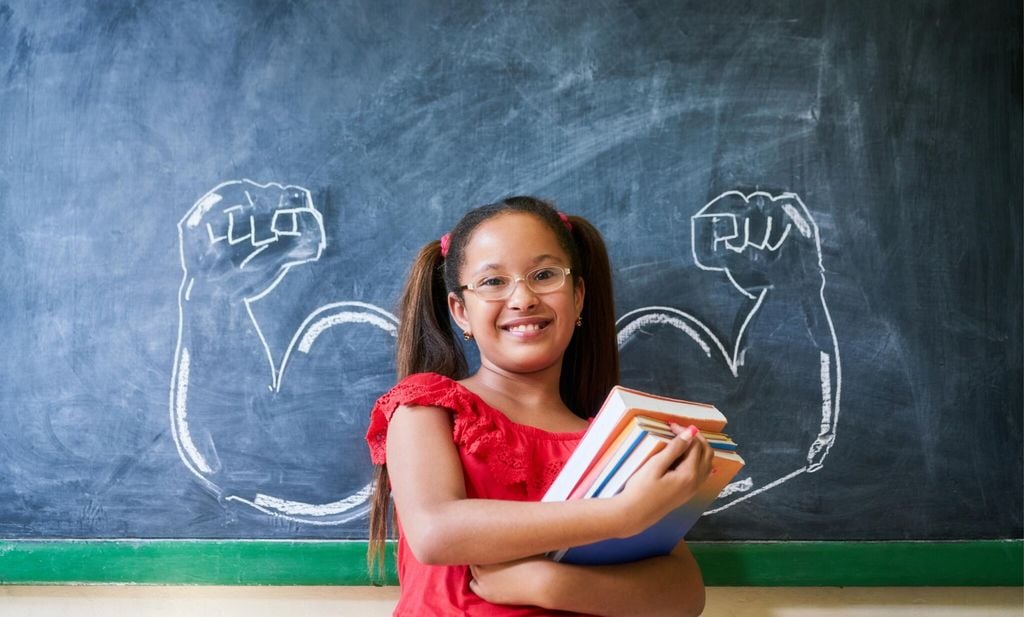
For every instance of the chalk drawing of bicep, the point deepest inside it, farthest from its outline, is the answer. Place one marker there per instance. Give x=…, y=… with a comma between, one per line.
x=743, y=236
x=238, y=427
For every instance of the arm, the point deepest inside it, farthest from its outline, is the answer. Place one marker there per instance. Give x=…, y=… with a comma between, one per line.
x=771, y=243
x=669, y=585
x=443, y=526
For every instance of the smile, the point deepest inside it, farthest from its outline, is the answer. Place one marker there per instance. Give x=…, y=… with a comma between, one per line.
x=532, y=326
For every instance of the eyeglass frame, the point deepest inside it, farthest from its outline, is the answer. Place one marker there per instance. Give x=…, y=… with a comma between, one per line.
x=515, y=283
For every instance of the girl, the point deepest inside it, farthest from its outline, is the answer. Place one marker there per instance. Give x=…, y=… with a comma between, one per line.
x=468, y=457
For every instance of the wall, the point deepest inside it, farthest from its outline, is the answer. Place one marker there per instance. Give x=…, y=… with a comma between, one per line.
x=813, y=209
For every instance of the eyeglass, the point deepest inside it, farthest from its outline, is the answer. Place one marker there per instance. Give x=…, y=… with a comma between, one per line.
x=501, y=286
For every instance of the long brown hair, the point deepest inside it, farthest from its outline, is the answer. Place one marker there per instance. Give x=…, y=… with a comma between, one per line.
x=427, y=343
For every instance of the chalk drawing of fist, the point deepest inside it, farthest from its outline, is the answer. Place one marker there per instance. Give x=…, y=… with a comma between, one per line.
x=769, y=248
x=251, y=436
x=246, y=235
x=758, y=240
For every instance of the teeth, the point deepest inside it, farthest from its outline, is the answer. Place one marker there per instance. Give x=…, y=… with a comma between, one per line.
x=524, y=328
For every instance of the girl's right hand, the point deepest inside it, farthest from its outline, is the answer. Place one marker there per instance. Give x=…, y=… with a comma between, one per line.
x=667, y=480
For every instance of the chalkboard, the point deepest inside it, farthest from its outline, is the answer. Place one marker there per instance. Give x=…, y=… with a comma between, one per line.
x=813, y=210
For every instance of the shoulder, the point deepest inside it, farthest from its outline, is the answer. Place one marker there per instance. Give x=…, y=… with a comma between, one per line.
x=420, y=390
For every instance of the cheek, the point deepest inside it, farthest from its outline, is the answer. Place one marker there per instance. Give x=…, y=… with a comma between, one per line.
x=481, y=313
x=570, y=312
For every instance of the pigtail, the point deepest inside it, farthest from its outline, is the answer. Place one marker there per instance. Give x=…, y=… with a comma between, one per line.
x=590, y=367
x=426, y=340
x=382, y=517
x=426, y=343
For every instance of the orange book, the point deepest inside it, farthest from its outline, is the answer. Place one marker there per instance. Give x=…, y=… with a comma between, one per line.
x=620, y=448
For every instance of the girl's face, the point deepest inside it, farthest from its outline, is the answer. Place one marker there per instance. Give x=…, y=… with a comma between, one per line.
x=526, y=332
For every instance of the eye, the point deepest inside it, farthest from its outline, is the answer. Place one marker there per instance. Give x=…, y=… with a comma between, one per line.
x=545, y=274
x=495, y=282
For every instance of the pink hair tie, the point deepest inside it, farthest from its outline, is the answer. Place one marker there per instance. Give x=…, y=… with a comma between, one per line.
x=565, y=220
x=446, y=242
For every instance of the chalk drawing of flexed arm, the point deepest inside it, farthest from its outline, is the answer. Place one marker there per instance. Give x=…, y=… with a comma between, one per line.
x=768, y=247
x=238, y=426
x=765, y=244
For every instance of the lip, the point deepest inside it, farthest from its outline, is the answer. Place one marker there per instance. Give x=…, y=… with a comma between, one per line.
x=526, y=327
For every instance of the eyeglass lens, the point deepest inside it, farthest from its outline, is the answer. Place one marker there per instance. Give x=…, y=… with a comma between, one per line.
x=541, y=280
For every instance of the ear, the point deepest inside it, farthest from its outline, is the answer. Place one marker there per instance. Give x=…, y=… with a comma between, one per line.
x=578, y=292
x=458, y=311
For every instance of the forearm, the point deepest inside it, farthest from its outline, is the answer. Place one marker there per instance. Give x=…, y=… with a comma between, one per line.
x=443, y=526
x=668, y=585
x=484, y=531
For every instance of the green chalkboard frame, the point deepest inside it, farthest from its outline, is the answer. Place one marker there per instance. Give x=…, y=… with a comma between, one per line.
x=269, y=562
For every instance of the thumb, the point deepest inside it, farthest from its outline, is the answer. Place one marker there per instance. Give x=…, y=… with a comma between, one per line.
x=474, y=586
x=298, y=236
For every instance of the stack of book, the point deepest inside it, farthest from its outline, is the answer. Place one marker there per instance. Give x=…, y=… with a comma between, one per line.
x=630, y=428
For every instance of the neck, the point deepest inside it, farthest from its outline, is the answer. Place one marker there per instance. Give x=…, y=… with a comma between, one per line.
x=531, y=390
x=533, y=399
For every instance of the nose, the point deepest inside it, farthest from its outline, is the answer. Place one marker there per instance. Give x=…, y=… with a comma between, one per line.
x=522, y=296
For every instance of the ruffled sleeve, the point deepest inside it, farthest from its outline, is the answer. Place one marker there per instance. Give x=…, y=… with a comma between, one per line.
x=423, y=389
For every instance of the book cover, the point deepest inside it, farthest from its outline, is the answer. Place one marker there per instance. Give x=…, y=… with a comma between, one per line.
x=620, y=447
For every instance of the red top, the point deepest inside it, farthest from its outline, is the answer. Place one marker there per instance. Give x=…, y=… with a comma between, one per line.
x=500, y=460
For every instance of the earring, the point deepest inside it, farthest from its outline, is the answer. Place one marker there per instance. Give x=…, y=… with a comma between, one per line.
x=579, y=321
x=467, y=336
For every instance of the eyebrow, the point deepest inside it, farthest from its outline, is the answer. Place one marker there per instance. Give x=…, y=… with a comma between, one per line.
x=536, y=261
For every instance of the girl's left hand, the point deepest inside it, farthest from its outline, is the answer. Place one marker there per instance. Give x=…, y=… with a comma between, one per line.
x=512, y=582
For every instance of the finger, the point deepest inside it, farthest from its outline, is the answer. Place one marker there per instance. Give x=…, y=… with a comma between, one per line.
x=285, y=222
x=661, y=462
x=713, y=237
x=756, y=228
x=691, y=463
x=704, y=461
x=298, y=222
x=300, y=234
x=262, y=228
x=709, y=451
x=669, y=456
x=689, y=431
x=797, y=214
x=778, y=230
x=688, y=434
x=239, y=225
x=216, y=229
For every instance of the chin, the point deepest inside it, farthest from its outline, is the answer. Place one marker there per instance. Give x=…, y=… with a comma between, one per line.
x=529, y=365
